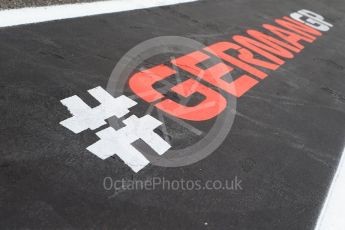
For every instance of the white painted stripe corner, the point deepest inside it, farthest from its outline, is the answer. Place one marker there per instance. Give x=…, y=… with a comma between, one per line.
x=333, y=210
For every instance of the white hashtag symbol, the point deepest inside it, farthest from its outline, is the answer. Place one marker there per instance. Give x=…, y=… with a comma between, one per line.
x=86, y=117
x=113, y=141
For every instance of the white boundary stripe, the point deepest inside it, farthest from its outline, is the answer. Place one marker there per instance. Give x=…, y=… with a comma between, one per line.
x=332, y=213
x=22, y=16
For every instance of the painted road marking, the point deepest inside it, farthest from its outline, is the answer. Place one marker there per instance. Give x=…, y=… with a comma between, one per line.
x=113, y=141
x=289, y=32
x=24, y=16
x=332, y=213
x=332, y=209
x=85, y=117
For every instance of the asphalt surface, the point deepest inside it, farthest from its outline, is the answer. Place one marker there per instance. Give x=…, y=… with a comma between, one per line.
x=284, y=145
x=13, y=4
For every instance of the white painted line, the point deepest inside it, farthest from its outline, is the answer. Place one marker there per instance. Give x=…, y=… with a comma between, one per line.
x=22, y=16
x=333, y=210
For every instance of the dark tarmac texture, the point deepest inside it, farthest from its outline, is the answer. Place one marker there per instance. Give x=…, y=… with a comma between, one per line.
x=13, y=4
x=284, y=145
